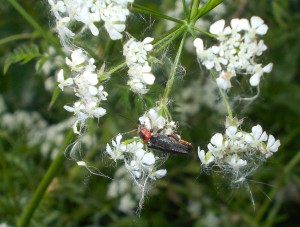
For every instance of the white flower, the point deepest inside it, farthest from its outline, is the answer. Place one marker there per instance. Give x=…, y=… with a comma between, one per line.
x=62, y=29
x=147, y=46
x=102, y=94
x=154, y=175
x=136, y=52
x=153, y=121
x=114, y=29
x=142, y=73
x=216, y=145
x=231, y=131
x=169, y=128
x=137, y=86
x=142, y=162
x=237, y=149
x=139, y=69
x=134, y=147
x=257, y=27
x=235, y=162
x=258, y=72
x=118, y=149
x=123, y=2
x=89, y=19
x=256, y=137
x=57, y=7
x=113, y=13
x=144, y=159
x=261, y=47
x=233, y=134
x=78, y=58
x=62, y=82
x=91, y=67
x=223, y=81
x=272, y=146
x=135, y=169
x=114, y=16
x=236, y=52
x=76, y=108
x=93, y=110
x=218, y=28
x=198, y=43
x=90, y=77
x=205, y=158
x=145, y=121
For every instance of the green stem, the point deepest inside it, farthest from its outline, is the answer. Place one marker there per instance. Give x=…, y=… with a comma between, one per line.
x=36, y=26
x=118, y=67
x=205, y=9
x=142, y=9
x=171, y=38
x=52, y=171
x=186, y=13
x=204, y=32
x=166, y=38
x=170, y=82
x=194, y=9
x=17, y=37
x=224, y=97
x=163, y=36
x=108, y=49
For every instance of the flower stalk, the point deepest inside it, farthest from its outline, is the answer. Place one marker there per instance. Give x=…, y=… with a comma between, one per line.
x=224, y=97
x=142, y=9
x=38, y=195
x=171, y=79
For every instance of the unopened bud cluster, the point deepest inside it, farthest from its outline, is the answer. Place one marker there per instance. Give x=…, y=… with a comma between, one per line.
x=237, y=51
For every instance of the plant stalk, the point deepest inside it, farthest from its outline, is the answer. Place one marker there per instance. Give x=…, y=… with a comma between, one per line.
x=170, y=82
x=38, y=195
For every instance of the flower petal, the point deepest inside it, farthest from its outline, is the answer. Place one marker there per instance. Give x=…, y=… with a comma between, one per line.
x=217, y=27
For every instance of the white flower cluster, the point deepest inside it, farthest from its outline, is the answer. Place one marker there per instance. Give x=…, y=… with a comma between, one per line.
x=237, y=150
x=86, y=87
x=141, y=163
x=139, y=72
x=237, y=51
x=112, y=12
x=155, y=123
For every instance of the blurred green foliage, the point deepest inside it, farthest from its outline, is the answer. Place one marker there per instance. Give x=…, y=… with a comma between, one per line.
x=185, y=196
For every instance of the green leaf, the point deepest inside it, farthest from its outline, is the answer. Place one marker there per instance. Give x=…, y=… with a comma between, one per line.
x=21, y=54
x=54, y=97
x=40, y=63
x=207, y=7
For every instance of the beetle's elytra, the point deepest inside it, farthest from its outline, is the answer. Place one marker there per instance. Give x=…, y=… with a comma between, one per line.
x=169, y=144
